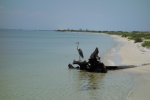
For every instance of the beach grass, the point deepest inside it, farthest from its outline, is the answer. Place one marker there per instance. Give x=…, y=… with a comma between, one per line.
x=146, y=44
x=136, y=36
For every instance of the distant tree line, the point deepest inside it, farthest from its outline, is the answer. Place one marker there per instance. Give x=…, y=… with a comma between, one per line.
x=108, y=32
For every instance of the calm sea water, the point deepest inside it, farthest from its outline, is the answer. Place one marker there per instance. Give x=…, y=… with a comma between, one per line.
x=33, y=66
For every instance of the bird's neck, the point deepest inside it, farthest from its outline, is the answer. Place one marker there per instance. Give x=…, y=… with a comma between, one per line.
x=77, y=46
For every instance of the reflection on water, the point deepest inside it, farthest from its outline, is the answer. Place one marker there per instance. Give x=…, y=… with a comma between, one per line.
x=114, y=85
x=89, y=81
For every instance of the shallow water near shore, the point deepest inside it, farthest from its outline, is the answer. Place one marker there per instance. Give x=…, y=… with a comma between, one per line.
x=33, y=65
x=112, y=57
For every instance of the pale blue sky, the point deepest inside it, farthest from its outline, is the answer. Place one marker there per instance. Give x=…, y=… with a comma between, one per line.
x=115, y=15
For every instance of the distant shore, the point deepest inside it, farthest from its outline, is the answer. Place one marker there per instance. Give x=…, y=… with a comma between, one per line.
x=138, y=36
x=97, y=31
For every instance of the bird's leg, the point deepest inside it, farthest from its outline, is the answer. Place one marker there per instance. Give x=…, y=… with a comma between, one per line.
x=79, y=58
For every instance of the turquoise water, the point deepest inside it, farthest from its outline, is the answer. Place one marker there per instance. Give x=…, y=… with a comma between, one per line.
x=33, y=66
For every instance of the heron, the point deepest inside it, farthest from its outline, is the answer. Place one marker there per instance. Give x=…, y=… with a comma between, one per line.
x=79, y=51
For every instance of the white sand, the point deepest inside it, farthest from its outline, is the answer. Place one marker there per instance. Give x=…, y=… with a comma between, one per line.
x=133, y=54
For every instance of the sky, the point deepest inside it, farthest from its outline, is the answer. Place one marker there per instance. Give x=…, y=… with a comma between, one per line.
x=108, y=15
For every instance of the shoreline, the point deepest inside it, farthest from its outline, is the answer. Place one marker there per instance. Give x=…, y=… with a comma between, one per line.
x=111, y=57
x=133, y=54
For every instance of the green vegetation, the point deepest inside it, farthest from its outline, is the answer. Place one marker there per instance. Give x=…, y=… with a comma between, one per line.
x=137, y=39
x=136, y=36
x=146, y=44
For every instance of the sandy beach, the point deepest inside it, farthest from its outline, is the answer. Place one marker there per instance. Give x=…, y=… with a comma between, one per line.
x=134, y=54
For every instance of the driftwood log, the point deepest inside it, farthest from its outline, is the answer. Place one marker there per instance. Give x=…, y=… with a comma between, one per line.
x=95, y=65
x=108, y=67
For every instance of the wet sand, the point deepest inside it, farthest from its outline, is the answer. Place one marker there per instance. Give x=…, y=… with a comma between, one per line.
x=133, y=54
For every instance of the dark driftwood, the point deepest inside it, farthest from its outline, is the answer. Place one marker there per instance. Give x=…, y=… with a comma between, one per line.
x=120, y=67
x=94, y=64
x=108, y=67
x=83, y=65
